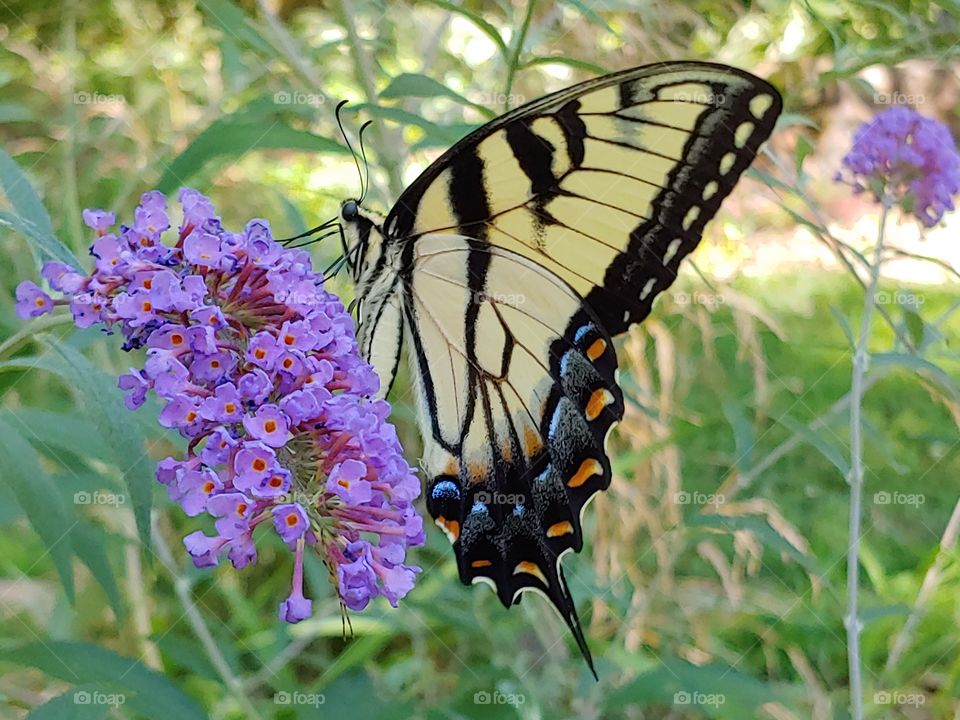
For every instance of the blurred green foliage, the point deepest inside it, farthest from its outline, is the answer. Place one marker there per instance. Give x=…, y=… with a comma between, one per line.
x=716, y=565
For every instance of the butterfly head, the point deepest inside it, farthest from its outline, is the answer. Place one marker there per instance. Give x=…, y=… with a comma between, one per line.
x=363, y=245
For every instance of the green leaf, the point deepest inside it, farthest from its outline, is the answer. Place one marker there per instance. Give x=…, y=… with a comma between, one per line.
x=913, y=362
x=794, y=119
x=815, y=439
x=803, y=149
x=742, y=433
x=762, y=529
x=421, y=86
x=42, y=245
x=716, y=690
x=482, y=25
x=150, y=693
x=101, y=402
x=915, y=325
x=589, y=13
x=235, y=22
x=76, y=704
x=89, y=545
x=444, y=135
x=844, y=325
x=23, y=199
x=570, y=62
x=230, y=138
x=15, y=112
x=39, y=498
x=64, y=431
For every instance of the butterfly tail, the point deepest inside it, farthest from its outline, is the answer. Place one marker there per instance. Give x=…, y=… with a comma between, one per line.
x=569, y=612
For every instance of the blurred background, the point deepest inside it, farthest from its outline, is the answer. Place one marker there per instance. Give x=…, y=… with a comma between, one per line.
x=713, y=582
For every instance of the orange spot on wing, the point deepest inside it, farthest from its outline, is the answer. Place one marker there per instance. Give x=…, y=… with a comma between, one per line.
x=559, y=529
x=480, y=564
x=450, y=527
x=532, y=440
x=531, y=568
x=596, y=349
x=599, y=399
x=588, y=468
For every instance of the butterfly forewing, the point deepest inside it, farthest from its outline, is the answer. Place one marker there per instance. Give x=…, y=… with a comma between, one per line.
x=608, y=184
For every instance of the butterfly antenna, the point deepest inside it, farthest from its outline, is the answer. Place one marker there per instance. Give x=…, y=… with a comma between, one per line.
x=365, y=185
x=356, y=161
x=309, y=233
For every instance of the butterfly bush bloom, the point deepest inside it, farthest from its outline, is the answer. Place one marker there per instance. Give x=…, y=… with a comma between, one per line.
x=257, y=367
x=907, y=159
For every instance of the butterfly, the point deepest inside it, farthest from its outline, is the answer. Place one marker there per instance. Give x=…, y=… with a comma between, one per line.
x=507, y=268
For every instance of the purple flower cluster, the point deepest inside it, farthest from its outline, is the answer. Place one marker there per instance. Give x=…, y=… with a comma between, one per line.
x=257, y=366
x=905, y=158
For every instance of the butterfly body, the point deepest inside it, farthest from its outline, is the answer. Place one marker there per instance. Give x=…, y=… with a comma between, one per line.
x=507, y=268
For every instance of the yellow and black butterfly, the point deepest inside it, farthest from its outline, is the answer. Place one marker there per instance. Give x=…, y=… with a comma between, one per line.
x=509, y=265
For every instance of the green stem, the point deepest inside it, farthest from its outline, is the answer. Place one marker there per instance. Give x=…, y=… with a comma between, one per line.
x=27, y=333
x=71, y=194
x=513, y=61
x=860, y=359
x=181, y=587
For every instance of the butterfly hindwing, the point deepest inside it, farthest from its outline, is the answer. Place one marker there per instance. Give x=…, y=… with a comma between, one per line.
x=607, y=184
x=530, y=405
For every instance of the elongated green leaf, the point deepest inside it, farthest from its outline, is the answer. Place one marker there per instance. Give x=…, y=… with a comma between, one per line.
x=228, y=138
x=43, y=245
x=62, y=431
x=101, y=402
x=819, y=440
x=589, y=13
x=21, y=195
x=421, y=86
x=717, y=691
x=844, y=325
x=482, y=25
x=762, y=529
x=150, y=693
x=444, y=135
x=742, y=433
x=569, y=62
x=15, y=112
x=89, y=545
x=39, y=498
x=913, y=362
x=235, y=22
x=76, y=704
